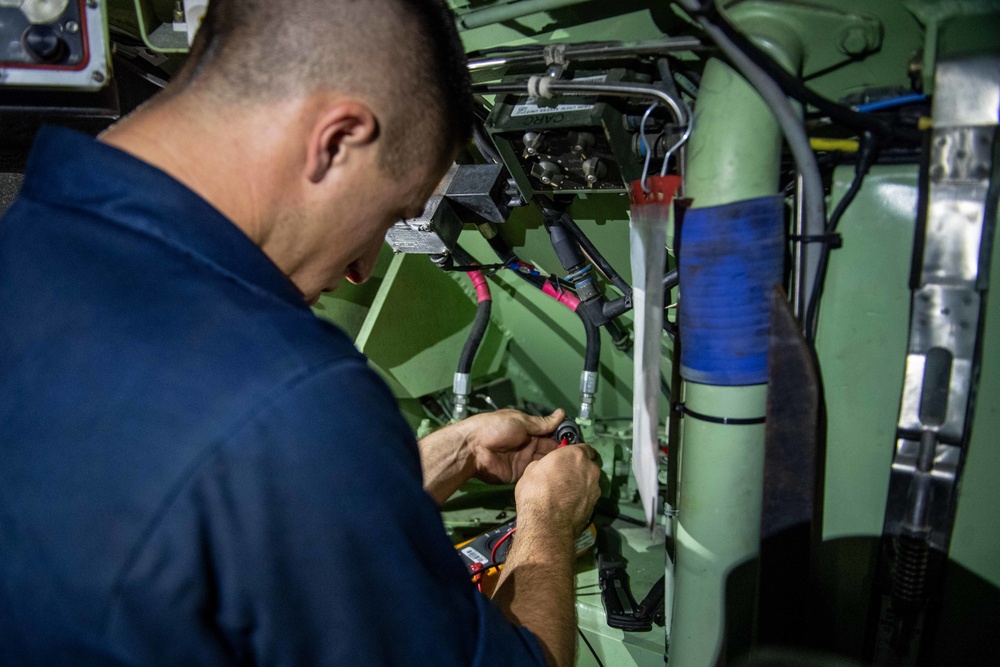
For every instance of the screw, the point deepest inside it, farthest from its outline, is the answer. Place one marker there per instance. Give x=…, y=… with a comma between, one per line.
x=98, y=77
x=72, y=27
x=92, y=4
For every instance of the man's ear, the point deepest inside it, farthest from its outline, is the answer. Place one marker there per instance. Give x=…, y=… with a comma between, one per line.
x=338, y=129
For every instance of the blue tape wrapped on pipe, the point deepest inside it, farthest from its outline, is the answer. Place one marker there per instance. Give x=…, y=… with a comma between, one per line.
x=729, y=258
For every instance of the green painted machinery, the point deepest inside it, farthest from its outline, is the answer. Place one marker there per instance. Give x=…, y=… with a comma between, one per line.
x=908, y=64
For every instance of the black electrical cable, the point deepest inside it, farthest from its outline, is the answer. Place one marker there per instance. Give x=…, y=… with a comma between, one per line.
x=554, y=214
x=587, y=642
x=484, y=144
x=867, y=153
x=670, y=280
x=793, y=87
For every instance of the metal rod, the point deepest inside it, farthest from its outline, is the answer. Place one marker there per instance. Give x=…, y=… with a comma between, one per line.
x=797, y=298
x=592, y=52
x=613, y=89
x=510, y=11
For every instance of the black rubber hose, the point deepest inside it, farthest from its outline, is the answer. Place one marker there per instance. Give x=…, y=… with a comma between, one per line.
x=592, y=356
x=475, y=339
x=555, y=215
x=595, y=255
x=479, y=323
x=670, y=280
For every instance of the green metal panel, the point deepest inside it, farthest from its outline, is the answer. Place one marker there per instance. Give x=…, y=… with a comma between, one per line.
x=411, y=319
x=861, y=345
x=975, y=542
x=417, y=325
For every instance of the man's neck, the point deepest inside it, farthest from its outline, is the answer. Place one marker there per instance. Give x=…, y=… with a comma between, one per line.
x=217, y=156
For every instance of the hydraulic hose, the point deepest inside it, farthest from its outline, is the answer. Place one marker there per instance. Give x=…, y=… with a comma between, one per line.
x=479, y=324
x=595, y=255
x=592, y=353
x=592, y=357
x=462, y=383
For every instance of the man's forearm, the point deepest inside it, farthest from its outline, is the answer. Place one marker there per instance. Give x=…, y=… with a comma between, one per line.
x=536, y=589
x=446, y=461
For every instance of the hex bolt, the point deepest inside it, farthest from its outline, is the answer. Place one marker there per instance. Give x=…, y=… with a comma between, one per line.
x=854, y=41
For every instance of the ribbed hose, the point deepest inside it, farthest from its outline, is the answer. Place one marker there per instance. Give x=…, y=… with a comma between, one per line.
x=475, y=339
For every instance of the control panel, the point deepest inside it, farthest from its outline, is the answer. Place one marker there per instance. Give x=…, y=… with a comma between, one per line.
x=53, y=44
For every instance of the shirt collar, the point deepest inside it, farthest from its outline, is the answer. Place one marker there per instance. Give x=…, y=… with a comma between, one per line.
x=72, y=170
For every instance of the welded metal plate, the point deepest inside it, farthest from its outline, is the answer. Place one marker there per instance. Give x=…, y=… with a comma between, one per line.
x=967, y=92
x=954, y=232
x=944, y=316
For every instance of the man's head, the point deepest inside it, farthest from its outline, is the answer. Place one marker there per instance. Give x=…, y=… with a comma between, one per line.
x=313, y=125
x=402, y=56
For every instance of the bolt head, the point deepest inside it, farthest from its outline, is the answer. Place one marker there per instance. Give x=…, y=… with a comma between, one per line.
x=854, y=41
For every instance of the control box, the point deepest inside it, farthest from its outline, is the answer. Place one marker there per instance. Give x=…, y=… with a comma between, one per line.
x=60, y=44
x=567, y=144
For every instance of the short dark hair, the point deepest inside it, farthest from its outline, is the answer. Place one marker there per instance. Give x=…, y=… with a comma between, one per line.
x=404, y=56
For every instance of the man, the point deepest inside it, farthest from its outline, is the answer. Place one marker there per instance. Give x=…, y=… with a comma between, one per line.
x=194, y=470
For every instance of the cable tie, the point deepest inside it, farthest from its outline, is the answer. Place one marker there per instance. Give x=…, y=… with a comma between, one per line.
x=834, y=239
x=680, y=408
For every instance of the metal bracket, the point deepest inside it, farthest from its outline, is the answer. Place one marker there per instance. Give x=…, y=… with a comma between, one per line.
x=951, y=270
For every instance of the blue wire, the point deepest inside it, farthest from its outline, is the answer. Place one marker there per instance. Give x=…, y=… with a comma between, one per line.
x=891, y=102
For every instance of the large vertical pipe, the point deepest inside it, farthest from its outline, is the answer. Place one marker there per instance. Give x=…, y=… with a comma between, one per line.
x=733, y=156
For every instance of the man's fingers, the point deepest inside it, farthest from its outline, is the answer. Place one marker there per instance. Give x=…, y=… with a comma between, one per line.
x=545, y=425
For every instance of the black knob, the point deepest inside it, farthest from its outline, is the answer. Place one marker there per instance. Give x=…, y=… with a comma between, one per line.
x=45, y=45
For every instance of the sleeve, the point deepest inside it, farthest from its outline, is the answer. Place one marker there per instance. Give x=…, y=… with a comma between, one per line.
x=324, y=546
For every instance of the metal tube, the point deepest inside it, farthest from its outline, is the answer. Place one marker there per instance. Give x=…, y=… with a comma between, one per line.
x=613, y=89
x=510, y=11
x=733, y=157
x=591, y=52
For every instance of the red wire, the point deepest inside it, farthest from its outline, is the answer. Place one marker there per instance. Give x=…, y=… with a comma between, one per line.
x=493, y=553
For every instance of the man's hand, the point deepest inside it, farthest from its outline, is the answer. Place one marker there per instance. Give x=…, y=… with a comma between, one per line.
x=555, y=498
x=496, y=447
x=505, y=442
x=560, y=490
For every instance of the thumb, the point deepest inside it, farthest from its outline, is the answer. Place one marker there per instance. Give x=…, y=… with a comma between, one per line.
x=545, y=425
